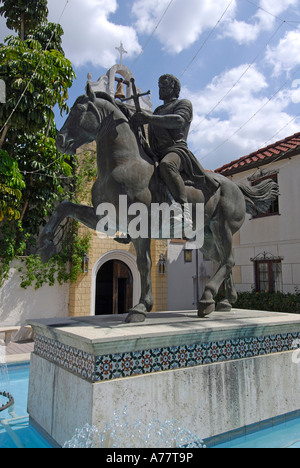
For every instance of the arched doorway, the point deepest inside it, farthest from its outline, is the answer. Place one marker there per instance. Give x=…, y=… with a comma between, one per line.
x=114, y=289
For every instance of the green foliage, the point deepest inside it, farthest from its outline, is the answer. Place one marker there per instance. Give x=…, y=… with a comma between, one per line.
x=49, y=36
x=86, y=166
x=67, y=266
x=12, y=245
x=34, y=176
x=43, y=77
x=11, y=184
x=48, y=175
x=271, y=302
x=48, y=178
x=51, y=177
x=26, y=14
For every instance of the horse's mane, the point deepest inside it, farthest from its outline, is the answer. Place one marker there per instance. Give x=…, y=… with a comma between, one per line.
x=128, y=113
x=119, y=105
x=107, y=97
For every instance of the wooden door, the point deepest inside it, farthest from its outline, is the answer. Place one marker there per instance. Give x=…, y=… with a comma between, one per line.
x=114, y=289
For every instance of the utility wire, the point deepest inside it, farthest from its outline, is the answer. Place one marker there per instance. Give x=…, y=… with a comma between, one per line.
x=282, y=128
x=207, y=39
x=282, y=22
x=290, y=22
x=253, y=116
x=237, y=82
x=153, y=32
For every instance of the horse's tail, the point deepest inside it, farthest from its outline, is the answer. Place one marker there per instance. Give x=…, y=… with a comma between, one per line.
x=259, y=198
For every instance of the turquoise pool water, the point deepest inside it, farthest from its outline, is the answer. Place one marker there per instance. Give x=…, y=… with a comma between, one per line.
x=26, y=435
x=285, y=435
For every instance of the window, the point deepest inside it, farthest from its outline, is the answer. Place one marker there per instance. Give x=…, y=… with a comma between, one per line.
x=274, y=208
x=268, y=273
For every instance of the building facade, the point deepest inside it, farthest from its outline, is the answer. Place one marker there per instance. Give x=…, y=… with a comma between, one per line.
x=267, y=248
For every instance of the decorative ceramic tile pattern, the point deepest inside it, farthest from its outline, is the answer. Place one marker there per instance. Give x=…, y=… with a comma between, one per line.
x=69, y=358
x=110, y=367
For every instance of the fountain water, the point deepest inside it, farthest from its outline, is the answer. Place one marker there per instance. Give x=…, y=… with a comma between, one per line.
x=8, y=417
x=120, y=433
x=6, y=399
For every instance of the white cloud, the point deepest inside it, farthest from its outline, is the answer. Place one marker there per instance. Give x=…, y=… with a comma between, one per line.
x=183, y=24
x=90, y=37
x=218, y=137
x=286, y=55
x=242, y=32
x=263, y=20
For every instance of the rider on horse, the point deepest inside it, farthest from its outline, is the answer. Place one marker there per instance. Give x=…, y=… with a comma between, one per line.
x=168, y=132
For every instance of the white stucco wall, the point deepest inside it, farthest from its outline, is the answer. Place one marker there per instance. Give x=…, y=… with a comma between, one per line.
x=182, y=294
x=278, y=235
x=18, y=305
x=180, y=279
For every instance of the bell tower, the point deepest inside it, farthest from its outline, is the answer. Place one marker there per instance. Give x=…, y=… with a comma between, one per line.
x=117, y=82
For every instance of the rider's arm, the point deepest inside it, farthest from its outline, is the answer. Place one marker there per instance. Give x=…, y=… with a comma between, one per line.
x=171, y=121
x=166, y=121
x=182, y=115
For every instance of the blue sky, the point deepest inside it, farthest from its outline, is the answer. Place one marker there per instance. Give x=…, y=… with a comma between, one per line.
x=238, y=62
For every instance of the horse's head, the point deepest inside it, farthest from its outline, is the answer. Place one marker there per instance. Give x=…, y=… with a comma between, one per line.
x=82, y=125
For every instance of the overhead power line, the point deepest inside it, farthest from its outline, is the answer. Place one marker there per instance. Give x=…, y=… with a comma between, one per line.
x=281, y=129
x=290, y=22
x=207, y=39
x=253, y=116
x=240, y=78
x=153, y=32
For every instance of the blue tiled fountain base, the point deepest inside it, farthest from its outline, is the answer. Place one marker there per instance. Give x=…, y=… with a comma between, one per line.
x=129, y=364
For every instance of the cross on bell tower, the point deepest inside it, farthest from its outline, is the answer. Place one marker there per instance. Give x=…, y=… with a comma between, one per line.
x=122, y=51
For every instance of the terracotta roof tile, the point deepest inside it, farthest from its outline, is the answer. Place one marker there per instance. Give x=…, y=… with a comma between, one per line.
x=272, y=152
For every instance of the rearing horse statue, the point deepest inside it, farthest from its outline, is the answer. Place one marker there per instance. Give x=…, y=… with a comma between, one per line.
x=125, y=169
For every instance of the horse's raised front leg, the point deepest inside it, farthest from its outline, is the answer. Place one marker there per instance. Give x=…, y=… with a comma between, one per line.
x=85, y=214
x=144, y=263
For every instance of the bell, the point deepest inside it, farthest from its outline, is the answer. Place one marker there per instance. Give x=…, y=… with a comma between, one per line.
x=120, y=94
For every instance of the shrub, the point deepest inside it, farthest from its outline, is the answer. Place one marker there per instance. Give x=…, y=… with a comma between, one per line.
x=271, y=302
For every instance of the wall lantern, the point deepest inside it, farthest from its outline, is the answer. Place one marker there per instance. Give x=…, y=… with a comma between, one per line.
x=85, y=263
x=162, y=265
x=188, y=256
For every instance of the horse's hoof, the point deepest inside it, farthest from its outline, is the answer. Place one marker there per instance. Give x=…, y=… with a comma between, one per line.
x=206, y=308
x=135, y=316
x=224, y=306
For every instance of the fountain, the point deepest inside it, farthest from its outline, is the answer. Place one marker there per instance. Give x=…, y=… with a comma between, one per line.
x=120, y=433
x=214, y=376
x=8, y=417
x=6, y=399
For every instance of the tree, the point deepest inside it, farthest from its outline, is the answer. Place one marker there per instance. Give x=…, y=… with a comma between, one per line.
x=49, y=36
x=39, y=77
x=34, y=176
x=24, y=16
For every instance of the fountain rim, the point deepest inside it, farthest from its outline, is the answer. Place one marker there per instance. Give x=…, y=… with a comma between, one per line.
x=10, y=402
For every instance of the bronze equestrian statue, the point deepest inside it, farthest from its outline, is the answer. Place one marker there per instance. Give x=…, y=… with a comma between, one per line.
x=163, y=172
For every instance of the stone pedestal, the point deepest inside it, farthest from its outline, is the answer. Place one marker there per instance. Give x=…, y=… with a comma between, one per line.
x=214, y=375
